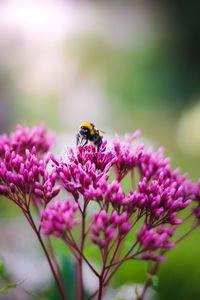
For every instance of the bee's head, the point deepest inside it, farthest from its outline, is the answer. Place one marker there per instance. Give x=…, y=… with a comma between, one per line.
x=84, y=132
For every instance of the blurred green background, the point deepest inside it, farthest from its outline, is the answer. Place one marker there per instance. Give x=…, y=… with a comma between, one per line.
x=122, y=65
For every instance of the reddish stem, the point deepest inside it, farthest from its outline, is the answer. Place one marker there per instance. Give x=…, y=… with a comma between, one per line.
x=73, y=247
x=101, y=277
x=113, y=257
x=57, y=280
x=148, y=280
x=80, y=260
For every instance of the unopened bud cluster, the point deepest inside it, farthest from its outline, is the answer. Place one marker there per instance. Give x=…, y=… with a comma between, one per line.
x=155, y=239
x=26, y=138
x=58, y=218
x=104, y=228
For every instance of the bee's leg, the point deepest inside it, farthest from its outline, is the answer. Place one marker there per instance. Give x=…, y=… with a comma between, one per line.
x=77, y=139
x=84, y=143
x=99, y=145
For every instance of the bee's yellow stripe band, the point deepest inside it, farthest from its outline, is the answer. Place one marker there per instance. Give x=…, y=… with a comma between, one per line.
x=89, y=126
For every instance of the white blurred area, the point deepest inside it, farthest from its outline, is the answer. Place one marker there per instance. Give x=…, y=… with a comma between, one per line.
x=39, y=42
x=188, y=131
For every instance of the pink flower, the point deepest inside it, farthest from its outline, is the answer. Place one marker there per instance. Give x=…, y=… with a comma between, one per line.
x=26, y=138
x=127, y=156
x=23, y=174
x=58, y=218
x=154, y=239
x=155, y=195
x=104, y=227
x=86, y=170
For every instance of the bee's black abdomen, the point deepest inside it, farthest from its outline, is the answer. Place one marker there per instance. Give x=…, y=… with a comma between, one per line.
x=97, y=140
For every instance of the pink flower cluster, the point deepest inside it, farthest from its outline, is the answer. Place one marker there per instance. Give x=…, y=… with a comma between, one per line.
x=26, y=138
x=23, y=174
x=157, y=195
x=162, y=198
x=127, y=156
x=58, y=218
x=196, y=208
x=104, y=227
x=152, y=161
x=150, y=198
x=154, y=239
x=107, y=194
x=85, y=171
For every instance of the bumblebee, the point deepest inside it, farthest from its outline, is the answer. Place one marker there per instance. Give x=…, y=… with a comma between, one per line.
x=88, y=132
